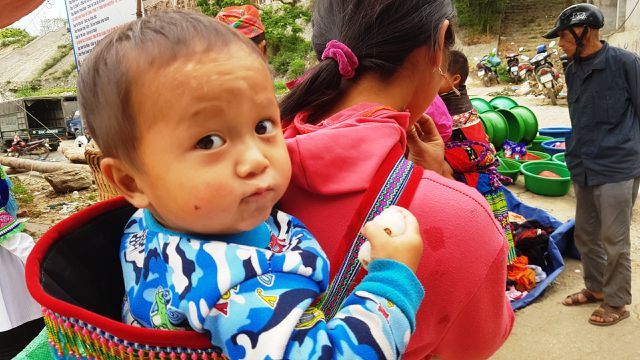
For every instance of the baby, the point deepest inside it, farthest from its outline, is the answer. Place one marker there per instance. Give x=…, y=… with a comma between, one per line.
x=184, y=111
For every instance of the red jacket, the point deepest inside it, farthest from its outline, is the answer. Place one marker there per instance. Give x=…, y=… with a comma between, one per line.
x=465, y=314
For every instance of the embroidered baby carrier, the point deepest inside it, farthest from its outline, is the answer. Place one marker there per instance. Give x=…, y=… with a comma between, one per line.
x=74, y=272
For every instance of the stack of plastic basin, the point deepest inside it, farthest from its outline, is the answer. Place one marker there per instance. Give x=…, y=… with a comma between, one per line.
x=529, y=120
x=521, y=122
x=496, y=127
x=503, y=102
x=481, y=105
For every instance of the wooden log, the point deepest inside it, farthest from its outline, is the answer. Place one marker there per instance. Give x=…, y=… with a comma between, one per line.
x=76, y=157
x=75, y=154
x=40, y=166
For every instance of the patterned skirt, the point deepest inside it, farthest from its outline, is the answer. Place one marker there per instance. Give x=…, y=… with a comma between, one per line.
x=498, y=205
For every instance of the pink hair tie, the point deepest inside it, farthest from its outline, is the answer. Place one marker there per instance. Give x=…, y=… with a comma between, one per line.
x=346, y=59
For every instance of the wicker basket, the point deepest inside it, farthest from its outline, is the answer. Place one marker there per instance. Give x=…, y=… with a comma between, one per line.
x=93, y=155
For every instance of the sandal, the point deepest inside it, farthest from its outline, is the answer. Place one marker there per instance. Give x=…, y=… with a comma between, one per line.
x=609, y=314
x=575, y=298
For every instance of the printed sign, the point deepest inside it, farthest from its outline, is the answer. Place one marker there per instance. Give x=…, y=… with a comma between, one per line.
x=91, y=20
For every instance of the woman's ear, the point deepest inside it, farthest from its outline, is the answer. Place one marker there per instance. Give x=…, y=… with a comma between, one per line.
x=126, y=180
x=440, y=47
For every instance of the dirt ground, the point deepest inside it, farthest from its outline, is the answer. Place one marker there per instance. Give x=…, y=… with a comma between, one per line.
x=40, y=206
x=546, y=329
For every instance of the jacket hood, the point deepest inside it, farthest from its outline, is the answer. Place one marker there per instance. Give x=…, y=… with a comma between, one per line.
x=341, y=154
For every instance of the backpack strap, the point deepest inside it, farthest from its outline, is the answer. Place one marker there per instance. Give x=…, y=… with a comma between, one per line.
x=394, y=183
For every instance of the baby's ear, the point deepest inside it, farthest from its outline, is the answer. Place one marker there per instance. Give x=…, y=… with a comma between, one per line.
x=125, y=179
x=456, y=80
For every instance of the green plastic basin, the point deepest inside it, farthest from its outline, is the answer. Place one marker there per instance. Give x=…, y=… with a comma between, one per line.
x=537, y=142
x=530, y=122
x=515, y=124
x=509, y=168
x=546, y=186
x=500, y=129
x=503, y=102
x=488, y=127
x=559, y=158
x=481, y=105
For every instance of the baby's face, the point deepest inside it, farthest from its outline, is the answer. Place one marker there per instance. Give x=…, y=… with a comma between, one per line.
x=213, y=158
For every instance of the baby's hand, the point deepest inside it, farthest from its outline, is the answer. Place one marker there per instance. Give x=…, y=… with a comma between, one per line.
x=394, y=235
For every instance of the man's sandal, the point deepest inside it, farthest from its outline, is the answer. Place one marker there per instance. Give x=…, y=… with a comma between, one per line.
x=610, y=315
x=575, y=298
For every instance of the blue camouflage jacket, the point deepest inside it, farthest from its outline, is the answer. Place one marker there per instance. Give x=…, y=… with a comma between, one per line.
x=253, y=293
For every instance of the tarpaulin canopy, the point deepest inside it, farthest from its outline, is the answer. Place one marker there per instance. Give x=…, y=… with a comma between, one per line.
x=13, y=10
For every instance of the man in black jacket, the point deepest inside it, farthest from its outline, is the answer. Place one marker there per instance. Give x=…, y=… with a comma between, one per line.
x=603, y=156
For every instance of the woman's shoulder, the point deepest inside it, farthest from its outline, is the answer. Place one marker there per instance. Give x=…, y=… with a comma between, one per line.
x=456, y=208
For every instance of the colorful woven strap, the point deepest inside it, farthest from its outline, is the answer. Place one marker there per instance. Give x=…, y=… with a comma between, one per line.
x=8, y=225
x=388, y=195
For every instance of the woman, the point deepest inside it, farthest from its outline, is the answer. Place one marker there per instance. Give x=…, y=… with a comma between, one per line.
x=380, y=68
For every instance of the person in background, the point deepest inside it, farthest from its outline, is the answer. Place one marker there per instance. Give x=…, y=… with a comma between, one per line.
x=603, y=156
x=20, y=316
x=468, y=150
x=246, y=19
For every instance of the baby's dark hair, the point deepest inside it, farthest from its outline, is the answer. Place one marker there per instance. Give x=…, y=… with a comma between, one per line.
x=458, y=65
x=381, y=33
x=106, y=76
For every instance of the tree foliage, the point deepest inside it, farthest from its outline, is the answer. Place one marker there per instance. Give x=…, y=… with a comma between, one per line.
x=213, y=7
x=480, y=16
x=10, y=36
x=284, y=23
x=284, y=28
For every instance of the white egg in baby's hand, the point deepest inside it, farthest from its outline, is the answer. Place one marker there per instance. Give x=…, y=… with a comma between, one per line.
x=364, y=254
x=393, y=220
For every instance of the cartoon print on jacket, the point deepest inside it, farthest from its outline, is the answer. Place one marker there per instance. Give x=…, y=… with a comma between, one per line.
x=253, y=302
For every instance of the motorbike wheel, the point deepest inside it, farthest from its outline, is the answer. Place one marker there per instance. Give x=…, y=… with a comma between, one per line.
x=45, y=154
x=486, y=81
x=551, y=94
x=531, y=76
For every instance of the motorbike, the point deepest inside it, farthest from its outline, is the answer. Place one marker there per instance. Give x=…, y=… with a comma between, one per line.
x=38, y=149
x=487, y=69
x=546, y=75
x=515, y=69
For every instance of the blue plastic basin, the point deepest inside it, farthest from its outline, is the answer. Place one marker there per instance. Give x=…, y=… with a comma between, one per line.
x=555, y=132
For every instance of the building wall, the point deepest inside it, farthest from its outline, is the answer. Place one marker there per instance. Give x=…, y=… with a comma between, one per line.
x=629, y=36
x=624, y=9
x=633, y=23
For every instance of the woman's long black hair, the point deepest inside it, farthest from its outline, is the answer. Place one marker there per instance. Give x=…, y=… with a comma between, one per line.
x=381, y=33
